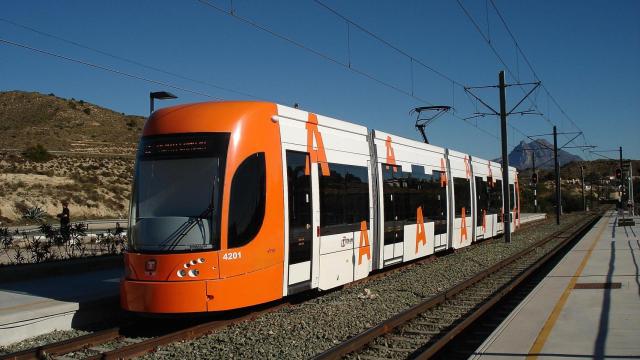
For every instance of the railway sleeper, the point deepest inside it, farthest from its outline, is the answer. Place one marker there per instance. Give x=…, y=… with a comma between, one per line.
x=392, y=349
x=421, y=332
x=407, y=339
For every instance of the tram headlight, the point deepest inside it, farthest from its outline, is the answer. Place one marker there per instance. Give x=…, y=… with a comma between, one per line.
x=194, y=272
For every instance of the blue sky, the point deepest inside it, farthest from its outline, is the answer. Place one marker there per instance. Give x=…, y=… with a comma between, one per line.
x=587, y=54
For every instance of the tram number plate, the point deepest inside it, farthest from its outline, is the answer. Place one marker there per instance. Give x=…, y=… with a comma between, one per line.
x=232, y=256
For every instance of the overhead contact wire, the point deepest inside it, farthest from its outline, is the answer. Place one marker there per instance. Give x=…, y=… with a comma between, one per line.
x=121, y=58
x=105, y=68
x=328, y=58
x=526, y=59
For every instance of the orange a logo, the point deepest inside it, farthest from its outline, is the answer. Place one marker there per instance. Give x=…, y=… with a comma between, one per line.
x=484, y=220
x=443, y=176
x=391, y=157
x=463, y=225
x=467, y=168
x=365, y=249
x=316, y=155
x=421, y=236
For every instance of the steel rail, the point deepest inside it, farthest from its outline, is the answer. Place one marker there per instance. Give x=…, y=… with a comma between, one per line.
x=143, y=347
x=506, y=289
x=65, y=346
x=366, y=337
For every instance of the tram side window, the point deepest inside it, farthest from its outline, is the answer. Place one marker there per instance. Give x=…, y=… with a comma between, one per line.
x=434, y=206
x=482, y=199
x=401, y=195
x=462, y=196
x=404, y=192
x=344, y=199
x=247, y=202
x=495, y=199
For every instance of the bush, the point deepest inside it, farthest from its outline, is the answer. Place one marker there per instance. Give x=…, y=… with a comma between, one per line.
x=72, y=105
x=34, y=214
x=37, y=153
x=87, y=111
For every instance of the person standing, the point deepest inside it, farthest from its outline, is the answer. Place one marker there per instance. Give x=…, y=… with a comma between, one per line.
x=65, y=220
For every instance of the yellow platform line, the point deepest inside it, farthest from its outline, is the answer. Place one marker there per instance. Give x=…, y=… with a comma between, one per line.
x=543, y=335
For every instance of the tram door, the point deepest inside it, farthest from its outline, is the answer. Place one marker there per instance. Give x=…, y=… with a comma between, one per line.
x=394, y=205
x=300, y=221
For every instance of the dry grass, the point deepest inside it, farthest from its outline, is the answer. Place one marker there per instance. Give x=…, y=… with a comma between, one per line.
x=96, y=187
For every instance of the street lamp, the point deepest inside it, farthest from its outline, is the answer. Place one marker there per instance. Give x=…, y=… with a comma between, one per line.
x=160, y=95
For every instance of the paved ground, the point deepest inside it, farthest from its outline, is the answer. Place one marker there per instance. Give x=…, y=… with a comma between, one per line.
x=33, y=307
x=559, y=321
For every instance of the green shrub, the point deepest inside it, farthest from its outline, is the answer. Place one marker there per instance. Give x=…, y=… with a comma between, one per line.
x=34, y=214
x=37, y=153
x=87, y=111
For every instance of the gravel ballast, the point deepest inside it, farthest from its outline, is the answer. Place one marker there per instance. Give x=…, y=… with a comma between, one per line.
x=40, y=340
x=306, y=329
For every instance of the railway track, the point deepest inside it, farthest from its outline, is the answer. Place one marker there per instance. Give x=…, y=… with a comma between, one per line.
x=128, y=341
x=421, y=331
x=119, y=343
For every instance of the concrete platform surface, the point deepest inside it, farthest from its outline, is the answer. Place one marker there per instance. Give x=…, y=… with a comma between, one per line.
x=30, y=308
x=529, y=217
x=558, y=321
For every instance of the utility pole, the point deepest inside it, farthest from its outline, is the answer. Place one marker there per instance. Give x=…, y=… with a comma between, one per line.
x=584, y=200
x=557, y=168
x=503, y=113
x=555, y=148
x=535, y=184
x=621, y=182
x=505, y=159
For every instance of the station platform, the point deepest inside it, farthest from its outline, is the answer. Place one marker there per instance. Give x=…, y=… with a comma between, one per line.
x=587, y=307
x=531, y=217
x=33, y=307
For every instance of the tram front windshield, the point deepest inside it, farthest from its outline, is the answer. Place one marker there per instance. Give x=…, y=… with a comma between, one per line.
x=177, y=193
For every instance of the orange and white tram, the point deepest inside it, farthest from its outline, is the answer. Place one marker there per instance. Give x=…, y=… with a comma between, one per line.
x=240, y=203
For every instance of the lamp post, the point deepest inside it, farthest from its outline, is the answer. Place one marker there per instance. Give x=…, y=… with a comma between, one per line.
x=160, y=95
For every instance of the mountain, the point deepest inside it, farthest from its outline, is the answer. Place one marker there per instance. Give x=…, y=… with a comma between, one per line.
x=30, y=118
x=521, y=156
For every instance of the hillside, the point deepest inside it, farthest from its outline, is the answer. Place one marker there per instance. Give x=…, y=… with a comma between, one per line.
x=599, y=168
x=28, y=118
x=95, y=187
x=92, y=161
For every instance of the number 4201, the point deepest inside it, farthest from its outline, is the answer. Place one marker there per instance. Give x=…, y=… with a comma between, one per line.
x=232, y=256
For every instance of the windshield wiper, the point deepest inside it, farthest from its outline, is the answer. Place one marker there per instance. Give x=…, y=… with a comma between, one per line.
x=186, y=227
